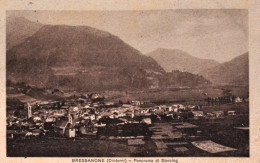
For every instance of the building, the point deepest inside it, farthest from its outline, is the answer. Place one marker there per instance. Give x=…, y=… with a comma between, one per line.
x=238, y=100
x=29, y=110
x=197, y=113
x=231, y=112
x=65, y=127
x=147, y=120
x=218, y=113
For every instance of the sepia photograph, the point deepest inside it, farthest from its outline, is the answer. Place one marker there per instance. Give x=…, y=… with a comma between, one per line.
x=127, y=83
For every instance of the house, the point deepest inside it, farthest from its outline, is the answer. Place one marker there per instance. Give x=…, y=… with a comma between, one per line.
x=147, y=120
x=92, y=117
x=37, y=119
x=231, y=112
x=59, y=113
x=36, y=132
x=176, y=107
x=218, y=113
x=50, y=119
x=90, y=130
x=98, y=117
x=65, y=127
x=59, y=127
x=75, y=109
x=195, y=108
x=89, y=116
x=70, y=131
x=144, y=111
x=197, y=113
x=87, y=106
x=112, y=116
x=210, y=115
x=121, y=114
x=75, y=115
x=100, y=124
x=146, y=103
x=130, y=114
x=136, y=103
x=160, y=112
x=169, y=109
x=238, y=100
x=126, y=106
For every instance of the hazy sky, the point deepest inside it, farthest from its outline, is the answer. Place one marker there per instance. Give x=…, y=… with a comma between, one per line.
x=212, y=34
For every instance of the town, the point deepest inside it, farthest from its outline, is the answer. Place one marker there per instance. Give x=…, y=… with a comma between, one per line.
x=167, y=126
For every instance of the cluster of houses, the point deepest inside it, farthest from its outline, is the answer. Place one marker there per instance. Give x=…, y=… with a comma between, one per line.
x=83, y=116
x=225, y=100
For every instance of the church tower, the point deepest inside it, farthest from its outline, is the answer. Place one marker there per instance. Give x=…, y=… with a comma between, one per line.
x=29, y=110
x=70, y=118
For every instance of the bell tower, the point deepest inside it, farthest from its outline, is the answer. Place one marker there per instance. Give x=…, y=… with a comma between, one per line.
x=70, y=118
x=29, y=110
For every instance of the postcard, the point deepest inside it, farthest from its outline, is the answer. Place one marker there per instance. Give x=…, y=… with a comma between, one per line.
x=130, y=81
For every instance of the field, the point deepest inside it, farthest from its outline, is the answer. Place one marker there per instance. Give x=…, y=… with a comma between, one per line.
x=179, y=144
x=192, y=95
x=170, y=95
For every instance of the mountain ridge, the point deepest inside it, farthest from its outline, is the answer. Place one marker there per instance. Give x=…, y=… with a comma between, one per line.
x=82, y=55
x=18, y=29
x=175, y=59
x=233, y=72
x=85, y=58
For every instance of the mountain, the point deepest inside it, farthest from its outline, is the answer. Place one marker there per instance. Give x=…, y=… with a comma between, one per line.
x=82, y=58
x=174, y=59
x=234, y=72
x=18, y=29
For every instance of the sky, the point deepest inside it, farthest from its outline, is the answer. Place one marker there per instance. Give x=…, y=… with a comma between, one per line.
x=219, y=34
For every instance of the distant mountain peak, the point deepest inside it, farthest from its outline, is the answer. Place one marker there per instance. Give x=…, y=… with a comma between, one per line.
x=176, y=59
